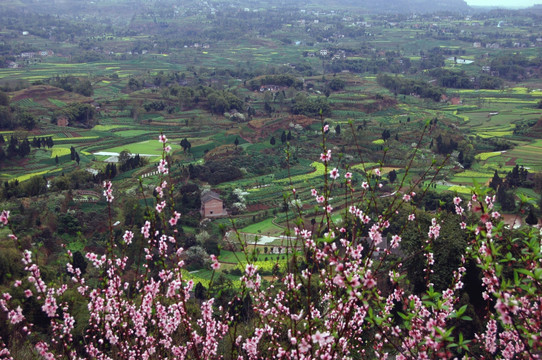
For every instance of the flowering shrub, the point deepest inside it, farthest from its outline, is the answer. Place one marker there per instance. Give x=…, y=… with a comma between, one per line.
x=343, y=291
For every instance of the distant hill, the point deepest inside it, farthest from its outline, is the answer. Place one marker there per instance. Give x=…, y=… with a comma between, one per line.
x=398, y=6
x=382, y=6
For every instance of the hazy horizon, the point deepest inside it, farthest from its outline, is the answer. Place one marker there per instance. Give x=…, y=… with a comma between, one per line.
x=504, y=3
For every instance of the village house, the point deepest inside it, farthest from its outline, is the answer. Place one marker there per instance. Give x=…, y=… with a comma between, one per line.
x=46, y=53
x=212, y=205
x=456, y=101
x=273, y=88
x=62, y=121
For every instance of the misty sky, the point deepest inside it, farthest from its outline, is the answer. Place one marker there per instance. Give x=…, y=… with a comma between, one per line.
x=504, y=3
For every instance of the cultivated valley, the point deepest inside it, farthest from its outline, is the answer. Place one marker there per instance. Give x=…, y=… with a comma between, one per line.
x=317, y=142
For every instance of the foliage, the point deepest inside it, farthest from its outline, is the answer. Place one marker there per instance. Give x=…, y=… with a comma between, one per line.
x=401, y=85
x=310, y=106
x=338, y=296
x=80, y=113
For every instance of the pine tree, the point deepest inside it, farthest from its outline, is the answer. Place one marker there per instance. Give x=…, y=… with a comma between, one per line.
x=496, y=181
x=272, y=141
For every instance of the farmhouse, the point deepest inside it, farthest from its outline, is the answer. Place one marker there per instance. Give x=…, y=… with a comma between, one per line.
x=212, y=205
x=272, y=88
x=62, y=121
x=456, y=101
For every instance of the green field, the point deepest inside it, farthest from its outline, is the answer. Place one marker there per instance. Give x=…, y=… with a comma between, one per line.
x=263, y=227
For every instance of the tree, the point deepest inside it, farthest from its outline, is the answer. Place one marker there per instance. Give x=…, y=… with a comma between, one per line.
x=79, y=262
x=4, y=99
x=6, y=120
x=506, y=198
x=84, y=88
x=283, y=137
x=386, y=135
x=185, y=144
x=124, y=156
x=77, y=159
x=26, y=120
x=56, y=159
x=496, y=181
x=200, y=292
x=24, y=148
x=272, y=141
x=236, y=141
x=392, y=176
x=531, y=218
x=336, y=84
x=338, y=129
x=12, y=147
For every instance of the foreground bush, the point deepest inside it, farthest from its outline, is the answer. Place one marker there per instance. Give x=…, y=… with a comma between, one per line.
x=343, y=292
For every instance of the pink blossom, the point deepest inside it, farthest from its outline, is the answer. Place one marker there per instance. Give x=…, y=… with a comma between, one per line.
x=128, y=236
x=16, y=316
x=411, y=217
x=162, y=167
x=215, y=264
x=326, y=157
x=348, y=175
x=108, y=191
x=162, y=138
x=395, y=240
x=434, y=229
x=334, y=174
x=4, y=216
x=320, y=338
x=175, y=218
x=160, y=206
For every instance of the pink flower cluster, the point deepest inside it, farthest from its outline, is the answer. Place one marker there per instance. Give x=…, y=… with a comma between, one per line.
x=339, y=294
